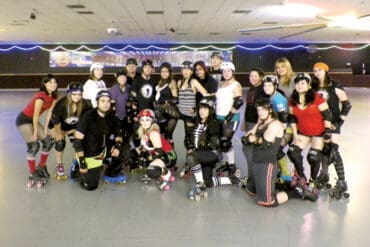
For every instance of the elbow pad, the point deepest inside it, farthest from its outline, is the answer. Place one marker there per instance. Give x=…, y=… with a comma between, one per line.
x=327, y=115
x=214, y=143
x=283, y=116
x=346, y=107
x=292, y=119
x=238, y=102
x=77, y=145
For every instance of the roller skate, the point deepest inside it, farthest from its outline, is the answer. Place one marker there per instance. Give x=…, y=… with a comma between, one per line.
x=37, y=179
x=164, y=182
x=235, y=179
x=322, y=181
x=339, y=190
x=60, y=175
x=119, y=179
x=306, y=192
x=225, y=169
x=44, y=172
x=145, y=179
x=198, y=191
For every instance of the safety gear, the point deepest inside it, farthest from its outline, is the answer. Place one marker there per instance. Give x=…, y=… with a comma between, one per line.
x=74, y=87
x=187, y=65
x=302, y=76
x=146, y=113
x=271, y=79
x=96, y=66
x=227, y=65
x=147, y=62
x=103, y=93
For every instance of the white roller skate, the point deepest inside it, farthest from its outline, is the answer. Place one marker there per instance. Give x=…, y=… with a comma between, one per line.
x=165, y=181
x=60, y=174
x=198, y=191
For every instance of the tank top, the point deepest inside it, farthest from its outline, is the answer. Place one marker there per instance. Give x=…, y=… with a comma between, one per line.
x=266, y=155
x=225, y=99
x=166, y=146
x=187, y=101
x=163, y=94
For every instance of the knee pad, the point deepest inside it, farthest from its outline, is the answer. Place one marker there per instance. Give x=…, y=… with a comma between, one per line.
x=334, y=155
x=60, y=145
x=314, y=157
x=192, y=160
x=33, y=148
x=225, y=144
x=280, y=153
x=172, y=111
x=228, y=130
x=294, y=154
x=154, y=172
x=47, y=144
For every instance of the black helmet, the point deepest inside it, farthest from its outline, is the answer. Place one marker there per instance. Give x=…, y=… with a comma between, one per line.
x=103, y=93
x=217, y=54
x=75, y=87
x=131, y=60
x=302, y=76
x=271, y=79
x=165, y=65
x=147, y=62
x=187, y=64
x=119, y=73
x=265, y=103
x=207, y=102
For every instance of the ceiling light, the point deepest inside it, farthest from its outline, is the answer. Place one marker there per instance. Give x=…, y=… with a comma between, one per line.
x=292, y=10
x=350, y=21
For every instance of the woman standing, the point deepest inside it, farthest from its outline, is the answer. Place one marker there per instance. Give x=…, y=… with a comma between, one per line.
x=339, y=105
x=310, y=120
x=28, y=123
x=94, y=84
x=165, y=102
x=65, y=116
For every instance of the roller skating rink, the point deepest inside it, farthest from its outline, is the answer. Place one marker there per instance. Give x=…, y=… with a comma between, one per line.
x=63, y=214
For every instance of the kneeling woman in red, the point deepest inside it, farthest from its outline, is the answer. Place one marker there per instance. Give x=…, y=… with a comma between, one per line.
x=155, y=150
x=28, y=123
x=310, y=120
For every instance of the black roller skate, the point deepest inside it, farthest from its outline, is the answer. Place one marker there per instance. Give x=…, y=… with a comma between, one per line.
x=37, y=178
x=322, y=181
x=145, y=179
x=236, y=179
x=339, y=190
x=225, y=169
x=198, y=191
x=305, y=192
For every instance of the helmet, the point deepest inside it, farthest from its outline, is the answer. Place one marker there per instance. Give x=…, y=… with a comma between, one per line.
x=121, y=72
x=272, y=79
x=302, y=76
x=207, y=102
x=217, y=54
x=147, y=62
x=187, y=64
x=228, y=65
x=96, y=66
x=146, y=113
x=264, y=102
x=74, y=87
x=165, y=65
x=131, y=60
x=103, y=93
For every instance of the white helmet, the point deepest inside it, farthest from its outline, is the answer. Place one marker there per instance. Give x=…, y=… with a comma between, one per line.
x=228, y=65
x=96, y=66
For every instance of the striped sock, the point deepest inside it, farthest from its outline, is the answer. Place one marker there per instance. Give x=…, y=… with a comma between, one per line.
x=198, y=174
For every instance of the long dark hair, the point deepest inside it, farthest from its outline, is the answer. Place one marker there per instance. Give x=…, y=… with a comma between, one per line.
x=45, y=80
x=162, y=81
x=316, y=83
x=204, y=67
x=309, y=97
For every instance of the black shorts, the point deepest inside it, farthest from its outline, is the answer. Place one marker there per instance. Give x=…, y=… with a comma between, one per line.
x=22, y=119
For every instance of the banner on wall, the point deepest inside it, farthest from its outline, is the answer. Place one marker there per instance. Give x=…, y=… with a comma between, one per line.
x=81, y=59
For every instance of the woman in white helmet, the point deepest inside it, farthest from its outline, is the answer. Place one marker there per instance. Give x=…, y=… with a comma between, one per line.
x=228, y=101
x=94, y=84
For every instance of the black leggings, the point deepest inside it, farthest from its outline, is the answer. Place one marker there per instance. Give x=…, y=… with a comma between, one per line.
x=90, y=180
x=207, y=159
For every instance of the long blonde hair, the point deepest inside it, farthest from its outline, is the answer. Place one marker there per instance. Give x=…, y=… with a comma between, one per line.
x=141, y=132
x=69, y=105
x=284, y=80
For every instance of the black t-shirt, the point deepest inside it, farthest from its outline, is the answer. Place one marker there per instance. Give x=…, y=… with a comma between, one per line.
x=130, y=79
x=332, y=99
x=216, y=74
x=165, y=95
x=145, y=93
x=210, y=84
x=60, y=113
x=98, y=131
x=253, y=95
x=206, y=133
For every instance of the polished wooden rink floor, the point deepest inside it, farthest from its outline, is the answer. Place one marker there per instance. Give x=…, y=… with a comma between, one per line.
x=62, y=214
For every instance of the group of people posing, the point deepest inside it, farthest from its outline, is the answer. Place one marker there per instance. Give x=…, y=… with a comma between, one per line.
x=130, y=127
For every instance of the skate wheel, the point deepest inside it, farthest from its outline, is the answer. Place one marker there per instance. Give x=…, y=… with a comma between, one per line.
x=30, y=184
x=40, y=184
x=166, y=188
x=346, y=195
x=197, y=198
x=205, y=194
x=122, y=182
x=328, y=186
x=172, y=179
x=337, y=196
x=146, y=182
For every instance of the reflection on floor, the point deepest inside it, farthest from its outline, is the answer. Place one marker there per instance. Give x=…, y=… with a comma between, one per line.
x=62, y=214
